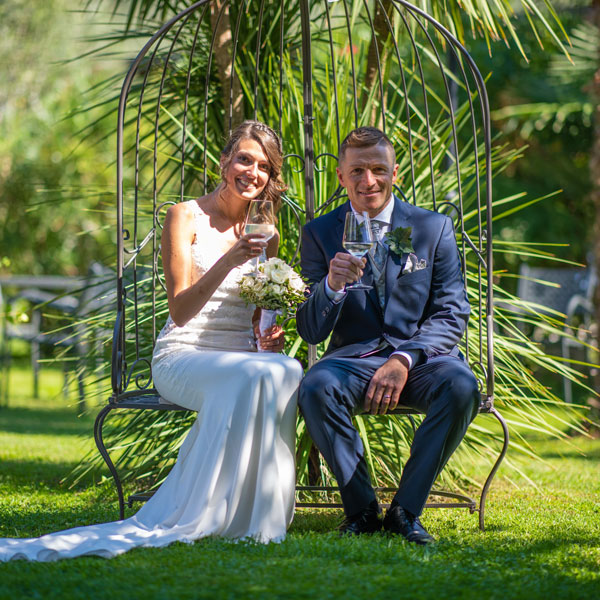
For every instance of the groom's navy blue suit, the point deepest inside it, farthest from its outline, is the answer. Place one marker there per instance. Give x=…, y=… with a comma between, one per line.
x=424, y=315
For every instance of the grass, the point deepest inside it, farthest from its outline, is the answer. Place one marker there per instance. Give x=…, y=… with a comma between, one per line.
x=539, y=543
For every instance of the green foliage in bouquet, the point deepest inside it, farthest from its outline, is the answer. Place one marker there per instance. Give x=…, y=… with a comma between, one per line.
x=276, y=287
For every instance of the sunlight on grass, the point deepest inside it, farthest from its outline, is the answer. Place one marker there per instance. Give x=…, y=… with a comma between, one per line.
x=539, y=544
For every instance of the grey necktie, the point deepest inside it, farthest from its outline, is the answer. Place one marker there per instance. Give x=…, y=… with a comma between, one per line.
x=378, y=257
x=379, y=253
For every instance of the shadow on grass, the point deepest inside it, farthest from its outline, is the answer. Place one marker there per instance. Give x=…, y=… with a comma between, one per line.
x=44, y=421
x=316, y=520
x=301, y=568
x=589, y=455
x=519, y=560
x=22, y=473
x=40, y=521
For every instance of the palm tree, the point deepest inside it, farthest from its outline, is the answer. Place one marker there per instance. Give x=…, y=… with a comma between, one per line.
x=514, y=350
x=595, y=177
x=492, y=21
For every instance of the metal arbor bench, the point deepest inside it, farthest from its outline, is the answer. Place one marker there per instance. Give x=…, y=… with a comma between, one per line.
x=312, y=70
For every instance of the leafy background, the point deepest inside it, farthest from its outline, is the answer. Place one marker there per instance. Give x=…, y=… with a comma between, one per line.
x=57, y=183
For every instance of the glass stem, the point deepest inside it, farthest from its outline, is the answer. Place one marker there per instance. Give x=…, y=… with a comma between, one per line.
x=261, y=259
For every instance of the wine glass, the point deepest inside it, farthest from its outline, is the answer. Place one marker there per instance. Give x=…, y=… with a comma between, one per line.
x=260, y=219
x=357, y=240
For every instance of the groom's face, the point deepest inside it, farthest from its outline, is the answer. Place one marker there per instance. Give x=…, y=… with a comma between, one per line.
x=368, y=174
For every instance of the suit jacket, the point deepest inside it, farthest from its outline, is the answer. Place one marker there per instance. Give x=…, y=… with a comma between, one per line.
x=425, y=312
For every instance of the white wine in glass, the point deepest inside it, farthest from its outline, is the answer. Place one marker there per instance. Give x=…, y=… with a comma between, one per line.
x=357, y=240
x=260, y=220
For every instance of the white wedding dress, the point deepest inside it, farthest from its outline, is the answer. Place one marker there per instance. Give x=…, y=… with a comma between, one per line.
x=235, y=472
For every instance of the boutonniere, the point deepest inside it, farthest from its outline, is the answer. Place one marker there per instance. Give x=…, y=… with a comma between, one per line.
x=399, y=240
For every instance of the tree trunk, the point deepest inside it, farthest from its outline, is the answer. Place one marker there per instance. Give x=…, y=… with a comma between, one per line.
x=222, y=53
x=595, y=176
x=377, y=46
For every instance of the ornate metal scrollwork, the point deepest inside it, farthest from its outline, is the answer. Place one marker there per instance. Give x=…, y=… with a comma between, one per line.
x=299, y=158
x=142, y=380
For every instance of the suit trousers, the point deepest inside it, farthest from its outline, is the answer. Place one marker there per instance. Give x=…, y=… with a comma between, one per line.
x=443, y=388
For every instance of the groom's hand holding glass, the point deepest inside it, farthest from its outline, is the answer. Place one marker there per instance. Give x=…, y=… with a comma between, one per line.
x=347, y=268
x=344, y=268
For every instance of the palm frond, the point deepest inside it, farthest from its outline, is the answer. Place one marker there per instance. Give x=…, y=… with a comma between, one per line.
x=146, y=443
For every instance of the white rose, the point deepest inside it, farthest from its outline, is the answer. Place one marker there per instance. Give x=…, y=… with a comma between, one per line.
x=297, y=284
x=279, y=276
x=257, y=284
x=266, y=268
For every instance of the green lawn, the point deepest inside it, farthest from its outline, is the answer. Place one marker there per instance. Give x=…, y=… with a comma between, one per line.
x=540, y=543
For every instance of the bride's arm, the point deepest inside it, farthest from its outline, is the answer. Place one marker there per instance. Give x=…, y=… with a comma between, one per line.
x=185, y=298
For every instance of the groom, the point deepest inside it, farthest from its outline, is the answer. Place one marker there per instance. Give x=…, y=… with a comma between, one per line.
x=394, y=344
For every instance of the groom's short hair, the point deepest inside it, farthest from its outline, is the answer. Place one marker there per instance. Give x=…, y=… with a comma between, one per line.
x=365, y=137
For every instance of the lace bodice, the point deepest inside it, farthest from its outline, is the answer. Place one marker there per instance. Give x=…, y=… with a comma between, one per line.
x=225, y=322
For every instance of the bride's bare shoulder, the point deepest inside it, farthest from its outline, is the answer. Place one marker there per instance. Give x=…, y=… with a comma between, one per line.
x=185, y=211
x=179, y=222
x=181, y=209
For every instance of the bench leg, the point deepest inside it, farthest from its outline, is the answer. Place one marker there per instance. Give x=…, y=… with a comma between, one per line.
x=81, y=390
x=488, y=481
x=36, y=321
x=35, y=368
x=102, y=449
x=6, y=359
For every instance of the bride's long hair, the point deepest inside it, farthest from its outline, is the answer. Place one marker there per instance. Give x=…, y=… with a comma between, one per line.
x=271, y=144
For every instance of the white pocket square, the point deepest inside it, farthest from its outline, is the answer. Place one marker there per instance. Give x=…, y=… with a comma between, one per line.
x=414, y=264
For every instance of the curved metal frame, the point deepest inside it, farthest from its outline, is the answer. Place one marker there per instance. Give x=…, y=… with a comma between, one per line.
x=150, y=401
x=414, y=22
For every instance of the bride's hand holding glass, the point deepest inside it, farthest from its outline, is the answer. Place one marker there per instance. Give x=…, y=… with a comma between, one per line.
x=261, y=221
x=249, y=247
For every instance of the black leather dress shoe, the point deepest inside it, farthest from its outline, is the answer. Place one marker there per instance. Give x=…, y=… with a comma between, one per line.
x=399, y=521
x=368, y=521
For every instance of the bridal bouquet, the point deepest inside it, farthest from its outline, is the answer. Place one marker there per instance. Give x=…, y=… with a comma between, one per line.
x=276, y=288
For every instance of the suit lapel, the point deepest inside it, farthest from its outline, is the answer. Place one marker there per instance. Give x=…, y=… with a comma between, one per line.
x=395, y=263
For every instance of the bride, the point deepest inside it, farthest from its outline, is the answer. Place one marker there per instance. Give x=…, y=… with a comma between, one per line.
x=235, y=474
